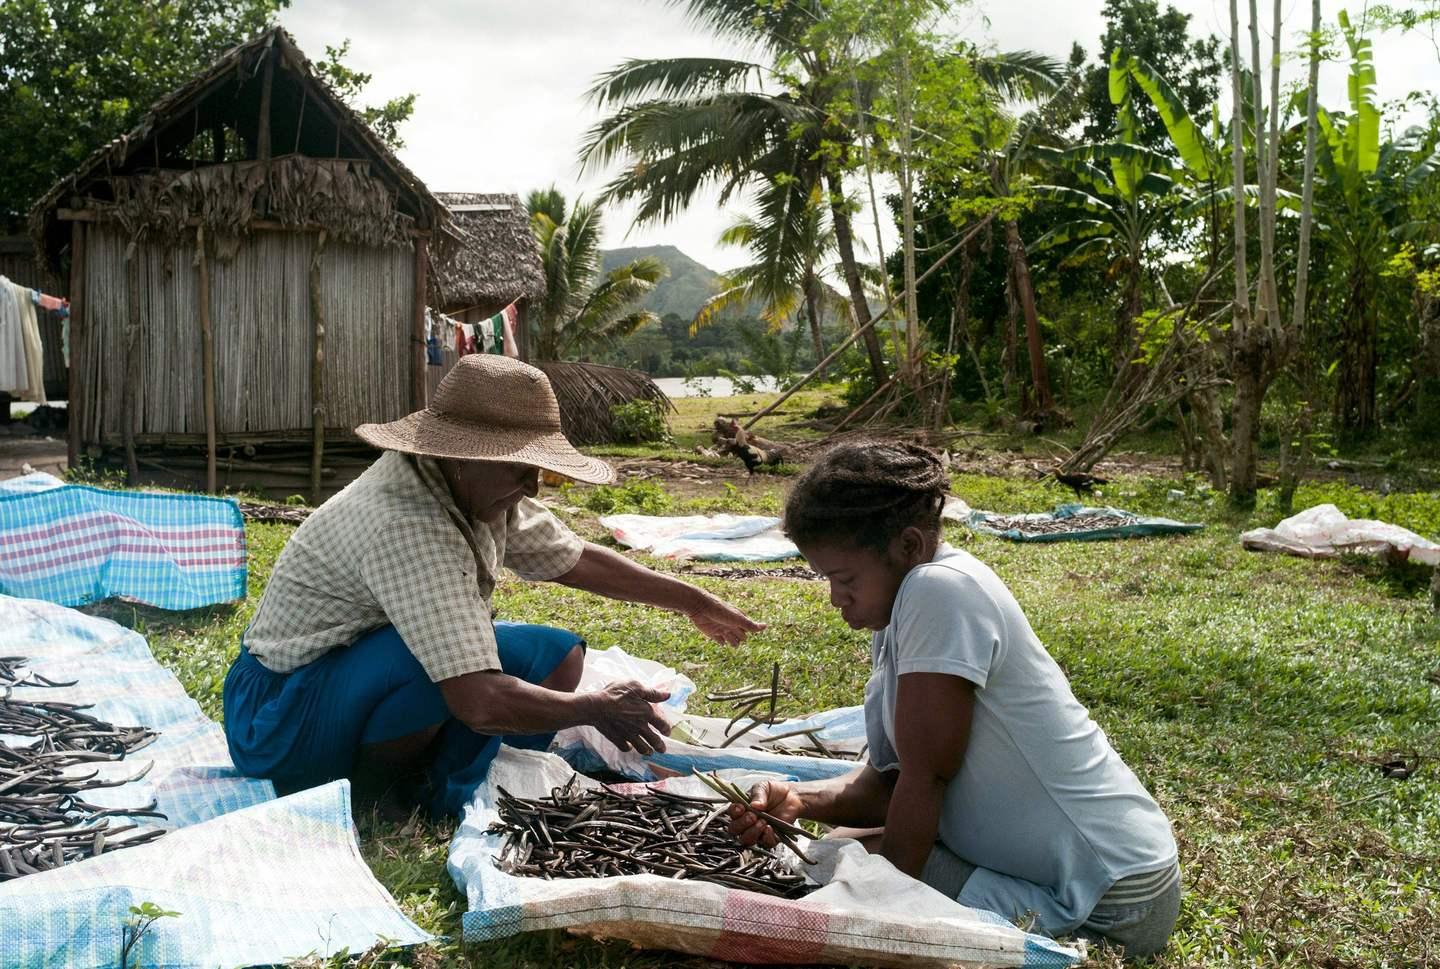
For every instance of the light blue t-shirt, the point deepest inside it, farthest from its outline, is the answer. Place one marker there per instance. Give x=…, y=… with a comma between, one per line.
x=1042, y=805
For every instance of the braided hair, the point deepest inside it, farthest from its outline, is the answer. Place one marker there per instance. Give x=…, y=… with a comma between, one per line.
x=866, y=494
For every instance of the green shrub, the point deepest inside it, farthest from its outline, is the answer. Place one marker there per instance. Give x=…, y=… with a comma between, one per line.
x=640, y=421
x=635, y=497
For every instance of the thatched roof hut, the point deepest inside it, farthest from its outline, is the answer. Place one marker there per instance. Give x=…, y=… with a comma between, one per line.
x=248, y=278
x=497, y=261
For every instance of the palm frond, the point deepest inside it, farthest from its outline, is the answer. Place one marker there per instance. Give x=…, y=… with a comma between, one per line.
x=640, y=79
x=1020, y=75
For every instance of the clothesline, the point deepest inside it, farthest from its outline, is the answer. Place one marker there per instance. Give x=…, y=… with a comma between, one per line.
x=495, y=334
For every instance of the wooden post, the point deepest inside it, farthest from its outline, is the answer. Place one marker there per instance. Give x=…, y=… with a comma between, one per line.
x=74, y=402
x=522, y=328
x=262, y=141
x=132, y=389
x=317, y=372
x=217, y=146
x=418, y=389
x=207, y=357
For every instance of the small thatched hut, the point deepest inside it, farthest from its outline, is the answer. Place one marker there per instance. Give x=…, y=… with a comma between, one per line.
x=494, y=263
x=248, y=280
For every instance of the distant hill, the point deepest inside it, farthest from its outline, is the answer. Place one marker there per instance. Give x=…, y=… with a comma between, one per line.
x=682, y=292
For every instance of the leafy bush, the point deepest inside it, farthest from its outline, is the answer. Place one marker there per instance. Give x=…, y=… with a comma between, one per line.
x=640, y=421
x=635, y=497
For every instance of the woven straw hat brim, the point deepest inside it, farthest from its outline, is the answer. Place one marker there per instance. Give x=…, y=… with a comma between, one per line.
x=432, y=435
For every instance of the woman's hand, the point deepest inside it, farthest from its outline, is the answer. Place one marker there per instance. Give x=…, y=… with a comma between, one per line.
x=775, y=798
x=721, y=621
x=626, y=714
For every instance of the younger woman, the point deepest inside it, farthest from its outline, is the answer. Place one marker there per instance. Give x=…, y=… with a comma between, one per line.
x=986, y=779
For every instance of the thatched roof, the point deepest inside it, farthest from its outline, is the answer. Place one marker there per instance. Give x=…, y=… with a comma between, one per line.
x=497, y=259
x=587, y=391
x=307, y=121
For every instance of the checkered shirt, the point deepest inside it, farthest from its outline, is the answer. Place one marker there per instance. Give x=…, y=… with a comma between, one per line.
x=393, y=548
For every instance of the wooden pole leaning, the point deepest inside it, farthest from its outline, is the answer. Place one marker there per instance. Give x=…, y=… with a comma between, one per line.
x=132, y=392
x=317, y=372
x=207, y=357
x=418, y=386
x=860, y=330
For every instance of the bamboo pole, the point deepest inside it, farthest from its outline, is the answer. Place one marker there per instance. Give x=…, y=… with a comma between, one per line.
x=860, y=331
x=207, y=357
x=132, y=390
x=75, y=378
x=317, y=374
x=418, y=389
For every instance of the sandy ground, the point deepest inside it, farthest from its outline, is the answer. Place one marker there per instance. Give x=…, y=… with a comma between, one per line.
x=40, y=452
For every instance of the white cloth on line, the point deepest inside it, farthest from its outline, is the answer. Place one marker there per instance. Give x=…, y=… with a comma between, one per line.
x=34, y=388
x=14, y=376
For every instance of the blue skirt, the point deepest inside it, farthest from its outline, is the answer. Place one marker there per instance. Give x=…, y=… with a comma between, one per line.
x=304, y=728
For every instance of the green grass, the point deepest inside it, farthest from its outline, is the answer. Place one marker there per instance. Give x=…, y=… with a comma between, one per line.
x=1247, y=691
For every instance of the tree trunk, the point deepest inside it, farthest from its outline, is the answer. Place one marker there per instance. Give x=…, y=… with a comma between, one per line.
x=845, y=244
x=1210, y=425
x=1043, y=402
x=1245, y=428
x=1007, y=354
x=1427, y=370
x=812, y=310
x=1355, y=398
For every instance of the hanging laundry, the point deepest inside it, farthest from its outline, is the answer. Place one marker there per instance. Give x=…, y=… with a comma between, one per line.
x=14, y=375
x=34, y=386
x=52, y=304
x=510, y=316
x=486, y=342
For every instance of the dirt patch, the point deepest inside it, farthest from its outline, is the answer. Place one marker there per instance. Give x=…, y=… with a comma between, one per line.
x=40, y=452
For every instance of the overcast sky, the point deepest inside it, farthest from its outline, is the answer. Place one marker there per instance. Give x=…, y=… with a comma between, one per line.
x=501, y=83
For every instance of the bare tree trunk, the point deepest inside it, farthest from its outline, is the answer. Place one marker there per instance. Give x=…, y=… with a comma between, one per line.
x=1427, y=370
x=812, y=310
x=845, y=244
x=1355, y=401
x=1210, y=423
x=1007, y=355
x=1043, y=402
x=1245, y=415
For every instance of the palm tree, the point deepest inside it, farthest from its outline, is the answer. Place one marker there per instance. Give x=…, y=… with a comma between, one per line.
x=582, y=309
x=685, y=124
x=786, y=277
x=1003, y=140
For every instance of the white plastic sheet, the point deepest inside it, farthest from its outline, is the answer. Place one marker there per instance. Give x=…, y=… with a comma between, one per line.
x=1325, y=532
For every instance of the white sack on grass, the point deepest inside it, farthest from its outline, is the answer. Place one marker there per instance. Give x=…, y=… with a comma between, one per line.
x=715, y=538
x=1325, y=532
x=865, y=912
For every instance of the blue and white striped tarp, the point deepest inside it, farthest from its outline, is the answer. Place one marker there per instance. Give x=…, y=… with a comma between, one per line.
x=74, y=544
x=262, y=886
x=256, y=880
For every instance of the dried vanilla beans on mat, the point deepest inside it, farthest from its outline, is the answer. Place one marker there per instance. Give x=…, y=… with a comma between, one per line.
x=599, y=833
x=47, y=749
x=1085, y=522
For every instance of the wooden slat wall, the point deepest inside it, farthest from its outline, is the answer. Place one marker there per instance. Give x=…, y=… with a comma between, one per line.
x=261, y=316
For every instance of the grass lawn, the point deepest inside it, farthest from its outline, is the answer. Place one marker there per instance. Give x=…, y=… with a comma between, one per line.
x=1251, y=694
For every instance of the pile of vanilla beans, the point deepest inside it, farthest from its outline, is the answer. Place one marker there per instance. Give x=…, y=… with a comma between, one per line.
x=45, y=820
x=1084, y=522
x=757, y=707
x=601, y=832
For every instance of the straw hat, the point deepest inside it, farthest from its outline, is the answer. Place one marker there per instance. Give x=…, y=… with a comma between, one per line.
x=490, y=408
